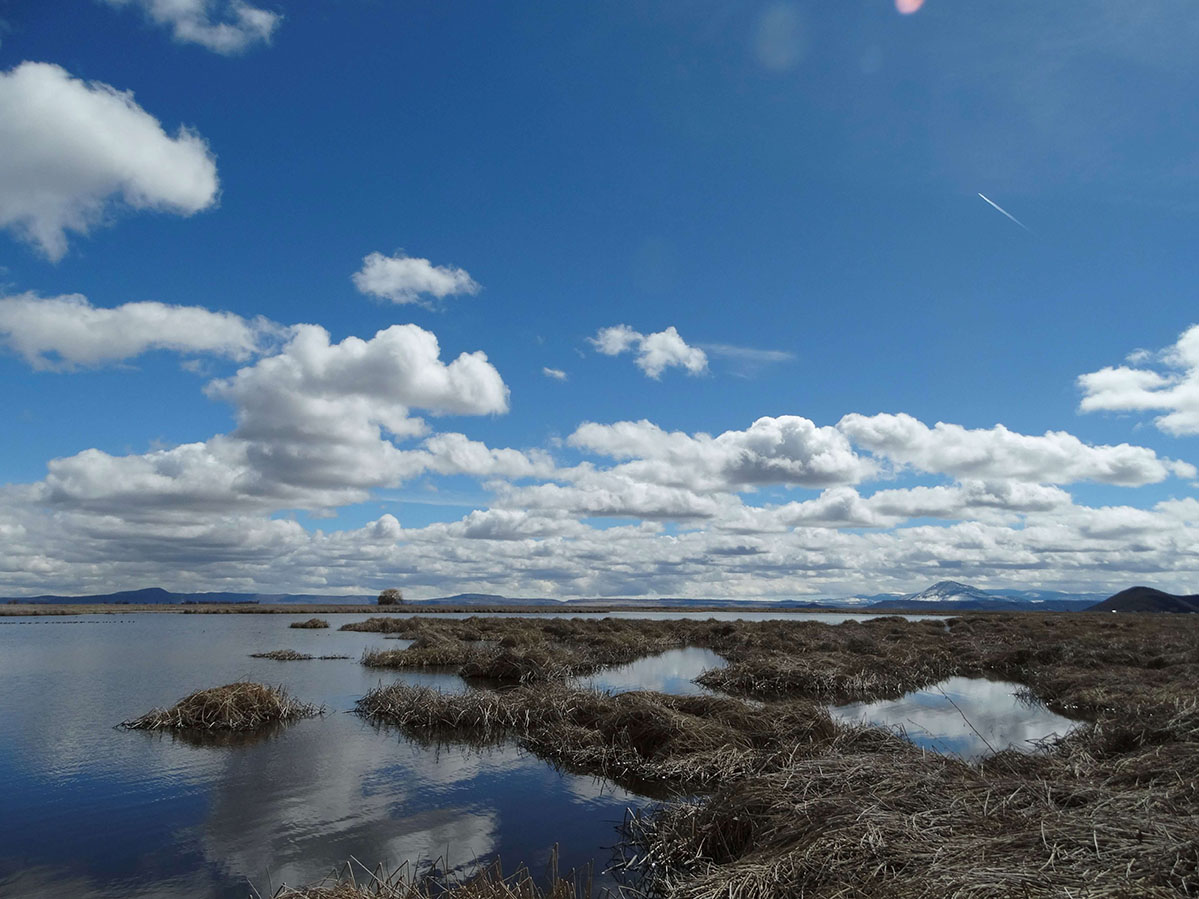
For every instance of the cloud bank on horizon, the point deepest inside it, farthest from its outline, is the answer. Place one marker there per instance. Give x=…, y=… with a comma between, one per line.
x=767, y=403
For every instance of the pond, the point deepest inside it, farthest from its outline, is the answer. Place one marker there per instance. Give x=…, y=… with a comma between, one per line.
x=672, y=672
x=962, y=716
x=90, y=811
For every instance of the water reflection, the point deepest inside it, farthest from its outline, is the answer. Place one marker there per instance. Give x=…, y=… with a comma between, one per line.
x=966, y=717
x=672, y=672
x=90, y=811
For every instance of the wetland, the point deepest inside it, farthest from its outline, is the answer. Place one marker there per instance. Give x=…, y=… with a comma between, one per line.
x=674, y=756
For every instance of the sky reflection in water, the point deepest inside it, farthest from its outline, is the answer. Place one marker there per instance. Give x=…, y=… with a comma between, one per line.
x=962, y=716
x=90, y=811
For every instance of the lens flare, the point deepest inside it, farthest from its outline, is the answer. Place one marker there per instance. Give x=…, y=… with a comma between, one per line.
x=907, y=7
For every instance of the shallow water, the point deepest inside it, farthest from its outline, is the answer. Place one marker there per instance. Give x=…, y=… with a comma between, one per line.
x=684, y=615
x=962, y=716
x=672, y=672
x=90, y=811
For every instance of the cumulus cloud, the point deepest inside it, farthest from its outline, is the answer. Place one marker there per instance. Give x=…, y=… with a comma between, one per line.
x=556, y=373
x=654, y=352
x=312, y=432
x=67, y=331
x=1172, y=387
x=223, y=26
x=608, y=494
x=406, y=279
x=73, y=149
x=786, y=450
x=322, y=424
x=1055, y=457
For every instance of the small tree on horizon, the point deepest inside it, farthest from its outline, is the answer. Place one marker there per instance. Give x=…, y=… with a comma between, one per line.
x=390, y=597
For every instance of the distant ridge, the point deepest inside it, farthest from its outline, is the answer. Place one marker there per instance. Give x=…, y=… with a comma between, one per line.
x=955, y=596
x=943, y=596
x=159, y=596
x=1146, y=599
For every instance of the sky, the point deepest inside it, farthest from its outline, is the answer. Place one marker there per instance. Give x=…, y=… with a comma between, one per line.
x=711, y=299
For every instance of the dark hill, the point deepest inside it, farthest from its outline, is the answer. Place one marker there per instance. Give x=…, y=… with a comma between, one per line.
x=1146, y=599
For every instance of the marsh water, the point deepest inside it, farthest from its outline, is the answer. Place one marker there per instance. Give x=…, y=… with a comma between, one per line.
x=87, y=810
x=969, y=717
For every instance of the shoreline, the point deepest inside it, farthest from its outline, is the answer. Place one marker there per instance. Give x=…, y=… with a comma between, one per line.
x=15, y=610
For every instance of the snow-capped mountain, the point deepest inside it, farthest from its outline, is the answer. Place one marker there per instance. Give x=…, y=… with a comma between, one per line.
x=947, y=595
x=951, y=590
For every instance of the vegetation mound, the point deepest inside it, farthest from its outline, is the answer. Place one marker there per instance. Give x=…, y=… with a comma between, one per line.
x=241, y=706
x=770, y=798
x=282, y=655
x=311, y=623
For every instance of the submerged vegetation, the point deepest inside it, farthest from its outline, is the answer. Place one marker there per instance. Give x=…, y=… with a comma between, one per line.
x=282, y=655
x=488, y=883
x=772, y=798
x=241, y=706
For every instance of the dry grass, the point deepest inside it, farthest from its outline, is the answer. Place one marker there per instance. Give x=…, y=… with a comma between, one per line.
x=240, y=706
x=773, y=799
x=489, y=883
x=518, y=650
x=310, y=623
x=282, y=655
x=638, y=737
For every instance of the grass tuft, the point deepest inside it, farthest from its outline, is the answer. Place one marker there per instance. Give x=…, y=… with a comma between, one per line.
x=241, y=706
x=311, y=623
x=282, y=655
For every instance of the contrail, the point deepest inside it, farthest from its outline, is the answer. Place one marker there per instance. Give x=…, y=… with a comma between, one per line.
x=1005, y=212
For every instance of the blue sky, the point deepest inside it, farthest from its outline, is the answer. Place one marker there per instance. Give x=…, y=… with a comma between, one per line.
x=597, y=299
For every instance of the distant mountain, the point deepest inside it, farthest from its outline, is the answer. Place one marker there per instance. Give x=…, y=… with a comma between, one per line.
x=949, y=590
x=955, y=596
x=1146, y=599
x=943, y=596
x=159, y=596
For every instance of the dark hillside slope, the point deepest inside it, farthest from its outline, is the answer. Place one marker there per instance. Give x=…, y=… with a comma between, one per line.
x=1146, y=599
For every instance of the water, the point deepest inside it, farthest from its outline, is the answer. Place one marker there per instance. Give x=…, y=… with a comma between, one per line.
x=684, y=615
x=90, y=811
x=963, y=716
x=668, y=672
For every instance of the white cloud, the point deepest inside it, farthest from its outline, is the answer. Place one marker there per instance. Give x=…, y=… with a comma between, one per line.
x=324, y=424
x=747, y=361
x=223, y=26
x=67, y=331
x=655, y=352
x=71, y=148
x=785, y=450
x=1174, y=389
x=311, y=432
x=607, y=494
x=1055, y=457
x=405, y=279
x=556, y=373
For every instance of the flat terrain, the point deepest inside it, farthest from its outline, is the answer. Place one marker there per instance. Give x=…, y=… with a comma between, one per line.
x=17, y=609
x=768, y=796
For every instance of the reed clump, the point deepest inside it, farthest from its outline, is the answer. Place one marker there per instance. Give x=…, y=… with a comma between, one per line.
x=241, y=706
x=770, y=798
x=907, y=824
x=282, y=655
x=403, y=883
x=643, y=737
x=310, y=624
